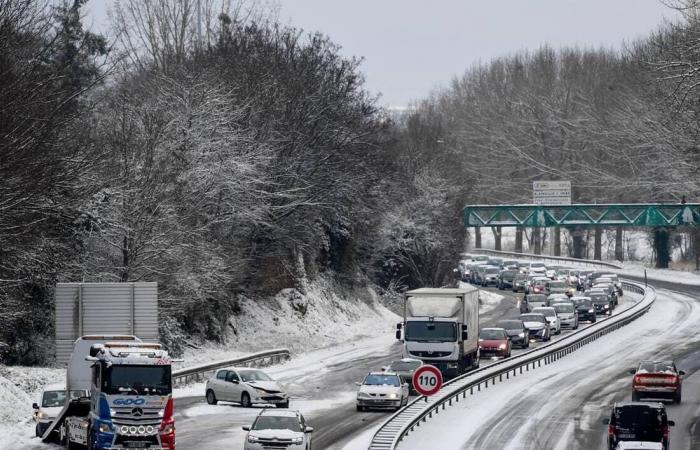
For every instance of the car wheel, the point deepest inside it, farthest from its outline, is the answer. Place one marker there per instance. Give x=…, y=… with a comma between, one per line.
x=245, y=400
x=211, y=397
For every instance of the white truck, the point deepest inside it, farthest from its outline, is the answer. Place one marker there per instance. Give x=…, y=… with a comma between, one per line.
x=130, y=401
x=441, y=328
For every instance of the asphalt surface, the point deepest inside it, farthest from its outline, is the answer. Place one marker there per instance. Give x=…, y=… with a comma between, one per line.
x=570, y=406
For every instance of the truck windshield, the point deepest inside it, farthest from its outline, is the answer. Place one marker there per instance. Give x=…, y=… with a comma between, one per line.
x=431, y=331
x=140, y=380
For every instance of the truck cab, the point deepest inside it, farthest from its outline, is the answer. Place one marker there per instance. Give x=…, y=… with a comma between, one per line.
x=130, y=403
x=441, y=328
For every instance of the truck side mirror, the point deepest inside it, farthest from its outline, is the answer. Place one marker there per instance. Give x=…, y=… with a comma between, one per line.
x=398, y=334
x=35, y=406
x=465, y=333
x=398, y=326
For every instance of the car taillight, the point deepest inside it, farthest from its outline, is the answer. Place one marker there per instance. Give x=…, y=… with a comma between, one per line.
x=167, y=427
x=611, y=430
x=666, y=431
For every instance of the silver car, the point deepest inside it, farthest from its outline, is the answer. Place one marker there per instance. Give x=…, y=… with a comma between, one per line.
x=567, y=314
x=278, y=429
x=382, y=390
x=245, y=386
x=552, y=319
x=405, y=368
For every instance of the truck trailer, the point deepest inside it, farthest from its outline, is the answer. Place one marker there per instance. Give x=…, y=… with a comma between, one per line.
x=130, y=402
x=441, y=327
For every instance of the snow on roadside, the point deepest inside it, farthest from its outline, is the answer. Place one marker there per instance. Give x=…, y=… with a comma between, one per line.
x=489, y=301
x=19, y=388
x=325, y=316
x=671, y=275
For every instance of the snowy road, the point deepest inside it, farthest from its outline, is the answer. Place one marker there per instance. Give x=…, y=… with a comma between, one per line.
x=561, y=406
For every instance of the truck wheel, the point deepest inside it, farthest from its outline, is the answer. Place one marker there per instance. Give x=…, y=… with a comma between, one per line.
x=245, y=400
x=211, y=397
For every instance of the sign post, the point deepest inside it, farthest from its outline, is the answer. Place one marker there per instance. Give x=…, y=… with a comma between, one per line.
x=551, y=192
x=427, y=380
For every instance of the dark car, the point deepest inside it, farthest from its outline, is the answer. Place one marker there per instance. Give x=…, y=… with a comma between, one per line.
x=519, y=282
x=657, y=380
x=638, y=421
x=585, y=309
x=489, y=276
x=506, y=279
x=517, y=332
x=537, y=326
x=603, y=303
x=405, y=368
x=496, y=262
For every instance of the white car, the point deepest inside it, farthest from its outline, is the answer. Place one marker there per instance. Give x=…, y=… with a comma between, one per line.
x=382, y=390
x=278, y=429
x=552, y=319
x=245, y=386
x=537, y=268
x=568, y=317
x=51, y=401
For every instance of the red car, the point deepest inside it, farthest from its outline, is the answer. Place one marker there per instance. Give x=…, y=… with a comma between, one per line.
x=494, y=342
x=657, y=380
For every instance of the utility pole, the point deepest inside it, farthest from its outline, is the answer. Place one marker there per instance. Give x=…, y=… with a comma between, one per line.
x=199, y=25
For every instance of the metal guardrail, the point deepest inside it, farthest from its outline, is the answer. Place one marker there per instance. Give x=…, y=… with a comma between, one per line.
x=268, y=357
x=393, y=430
x=587, y=262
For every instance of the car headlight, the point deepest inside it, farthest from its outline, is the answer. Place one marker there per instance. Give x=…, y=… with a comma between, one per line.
x=591, y=310
x=104, y=428
x=606, y=306
x=502, y=347
x=522, y=335
x=362, y=395
x=393, y=395
x=298, y=440
x=253, y=439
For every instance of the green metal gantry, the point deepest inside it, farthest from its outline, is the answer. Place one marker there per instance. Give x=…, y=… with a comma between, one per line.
x=608, y=215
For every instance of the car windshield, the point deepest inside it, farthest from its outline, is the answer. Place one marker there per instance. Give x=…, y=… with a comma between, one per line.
x=582, y=302
x=656, y=367
x=404, y=366
x=532, y=318
x=640, y=418
x=253, y=375
x=557, y=284
x=520, y=277
x=508, y=274
x=139, y=380
x=492, y=270
x=382, y=380
x=431, y=331
x=562, y=271
x=547, y=312
x=277, y=423
x=599, y=298
x=491, y=334
x=536, y=298
x=510, y=324
x=563, y=308
x=538, y=265
x=51, y=399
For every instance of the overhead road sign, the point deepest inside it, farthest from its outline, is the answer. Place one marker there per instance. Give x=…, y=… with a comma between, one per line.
x=551, y=192
x=606, y=215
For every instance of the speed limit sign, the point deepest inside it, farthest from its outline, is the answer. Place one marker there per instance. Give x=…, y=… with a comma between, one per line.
x=427, y=380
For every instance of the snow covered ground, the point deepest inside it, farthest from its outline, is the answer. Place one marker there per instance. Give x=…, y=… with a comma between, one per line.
x=547, y=407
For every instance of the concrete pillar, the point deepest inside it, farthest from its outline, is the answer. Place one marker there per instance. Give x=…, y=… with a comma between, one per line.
x=518, y=240
x=537, y=241
x=477, y=237
x=619, y=252
x=662, y=245
x=557, y=241
x=597, y=243
x=579, y=242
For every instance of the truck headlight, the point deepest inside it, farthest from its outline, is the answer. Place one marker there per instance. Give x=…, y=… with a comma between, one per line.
x=42, y=415
x=104, y=428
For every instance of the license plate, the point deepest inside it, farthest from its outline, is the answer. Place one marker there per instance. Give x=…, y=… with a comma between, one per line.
x=626, y=436
x=136, y=444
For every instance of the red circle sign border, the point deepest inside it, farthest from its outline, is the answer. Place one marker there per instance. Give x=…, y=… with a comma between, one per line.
x=427, y=368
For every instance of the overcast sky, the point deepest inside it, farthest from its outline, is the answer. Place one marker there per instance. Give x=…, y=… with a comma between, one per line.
x=411, y=47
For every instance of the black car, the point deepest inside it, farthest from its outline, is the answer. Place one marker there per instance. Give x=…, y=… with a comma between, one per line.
x=519, y=282
x=506, y=279
x=584, y=307
x=516, y=331
x=638, y=421
x=603, y=303
x=496, y=262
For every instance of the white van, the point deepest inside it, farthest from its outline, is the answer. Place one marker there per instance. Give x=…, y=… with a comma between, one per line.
x=51, y=401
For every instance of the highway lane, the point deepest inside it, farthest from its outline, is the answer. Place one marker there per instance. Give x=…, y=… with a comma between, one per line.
x=565, y=408
x=220, y=427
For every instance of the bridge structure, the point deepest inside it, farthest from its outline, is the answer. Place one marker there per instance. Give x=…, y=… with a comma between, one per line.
x=577, y=218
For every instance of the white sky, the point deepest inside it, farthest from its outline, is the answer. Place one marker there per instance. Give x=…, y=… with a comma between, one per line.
x=411, y=47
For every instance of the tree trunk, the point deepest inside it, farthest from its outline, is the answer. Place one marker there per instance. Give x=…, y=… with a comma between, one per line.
x=497, y=234
x=557, y=241
x=597, y=244
x=518, y=240
x=696, y=246
x=662, y=244
x=536, y=240
x=577, y=236
x=619, y=253
x=477, y=237
x=125, y=261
